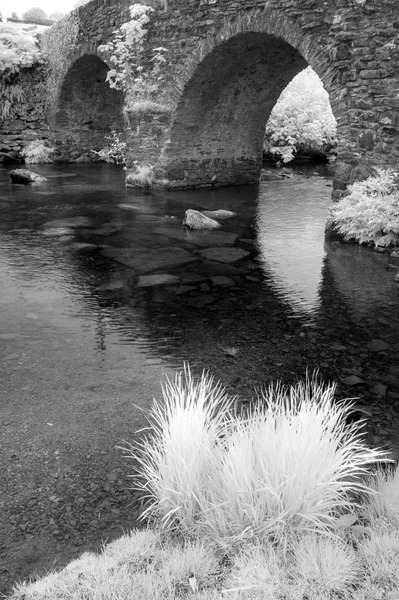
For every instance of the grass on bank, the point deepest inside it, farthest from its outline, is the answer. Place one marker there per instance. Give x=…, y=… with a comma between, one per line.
x=280, y=503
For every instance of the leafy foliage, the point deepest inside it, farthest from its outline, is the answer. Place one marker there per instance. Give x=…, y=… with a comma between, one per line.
x=18, y=50
x=370, y=212
x=116, y=151
x=36, y=152
x=141, y=82
x=301, y=120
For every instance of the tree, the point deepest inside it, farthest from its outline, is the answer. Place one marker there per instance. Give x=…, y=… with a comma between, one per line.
x=302, y=119
x=14, y=16
x=34, y=15
x=56, y=16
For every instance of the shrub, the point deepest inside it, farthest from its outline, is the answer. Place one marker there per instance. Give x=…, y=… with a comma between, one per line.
x=36, y=152
x=301, y=120
x=141, y=176
x=292, y=465
x=370, y=211
x=18, y=50
x=115, y=152
x=139, y=77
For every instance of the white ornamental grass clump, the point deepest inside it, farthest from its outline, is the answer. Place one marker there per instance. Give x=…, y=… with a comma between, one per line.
x=177, y=461
x=292, y=465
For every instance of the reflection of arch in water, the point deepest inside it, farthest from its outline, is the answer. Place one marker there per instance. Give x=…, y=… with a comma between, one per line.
x=291, y=233
x=88, y=108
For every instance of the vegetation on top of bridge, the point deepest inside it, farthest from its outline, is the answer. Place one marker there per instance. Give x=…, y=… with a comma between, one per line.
x=18, y=50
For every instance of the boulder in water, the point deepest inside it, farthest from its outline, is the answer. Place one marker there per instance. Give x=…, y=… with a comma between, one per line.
x=193, y=219
x=25, y=176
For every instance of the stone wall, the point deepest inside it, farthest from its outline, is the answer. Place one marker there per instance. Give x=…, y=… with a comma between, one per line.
x=27, y=119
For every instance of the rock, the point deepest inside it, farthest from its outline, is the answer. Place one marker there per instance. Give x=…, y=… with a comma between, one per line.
x=219, y=214
x=193, y=219
x=158, y=279
x=380, y=390
x=377, y=346
x=338, y=347
x=184, y=289
x=222, y=280
x=145, y=260
x=25, y=176
x=224, y=254
x=188, y=277
x=396, y=278
x=395, y=254
x=84, y=246
x=353, y=380
x=111, y=286
x=69, y=222
x=29, y=552
x=202, y=301
x=199, y=238
x=58, y=231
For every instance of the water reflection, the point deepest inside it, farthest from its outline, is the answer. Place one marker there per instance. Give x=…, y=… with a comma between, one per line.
x=75, y=247
x=290, y=221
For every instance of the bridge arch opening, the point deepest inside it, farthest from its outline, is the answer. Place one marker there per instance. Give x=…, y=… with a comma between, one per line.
x=88, y=108
x=218, y=130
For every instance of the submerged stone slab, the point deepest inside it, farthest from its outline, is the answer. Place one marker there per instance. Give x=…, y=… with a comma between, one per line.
x=211, y=267
x=58, y=231
x=84, y=246
x=224, y=254
x=116, y=284
x=157, y=279
x=144, y=260
x=222, y=280
x=71, y=222
x=199, y=238
x=201, y=301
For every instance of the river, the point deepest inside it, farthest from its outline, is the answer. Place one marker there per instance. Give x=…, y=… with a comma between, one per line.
x=86, y=337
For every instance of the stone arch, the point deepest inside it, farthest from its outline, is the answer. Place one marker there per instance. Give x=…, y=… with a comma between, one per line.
x=226, y=91
x=87, y=108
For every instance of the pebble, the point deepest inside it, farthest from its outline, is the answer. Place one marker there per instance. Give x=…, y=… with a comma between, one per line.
x=377, y=346
x=353, y=380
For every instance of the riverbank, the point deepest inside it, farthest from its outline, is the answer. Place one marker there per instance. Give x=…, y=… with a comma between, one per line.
x=67, y=483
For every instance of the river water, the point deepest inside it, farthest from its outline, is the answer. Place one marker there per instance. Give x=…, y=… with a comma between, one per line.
x=87, y=334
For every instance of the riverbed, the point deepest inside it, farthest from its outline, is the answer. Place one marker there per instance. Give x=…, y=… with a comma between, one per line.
x=87, y=333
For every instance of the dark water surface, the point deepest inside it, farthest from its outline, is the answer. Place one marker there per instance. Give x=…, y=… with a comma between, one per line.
x=86, y=336
x=72, y=250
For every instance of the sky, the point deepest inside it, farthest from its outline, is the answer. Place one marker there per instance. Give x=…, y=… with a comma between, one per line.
x=49, y=6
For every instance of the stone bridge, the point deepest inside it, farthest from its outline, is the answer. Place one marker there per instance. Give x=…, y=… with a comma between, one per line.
x=229, y=61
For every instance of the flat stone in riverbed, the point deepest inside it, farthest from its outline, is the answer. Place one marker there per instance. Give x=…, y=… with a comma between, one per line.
x=145, y=260
x=157, y=279
x=224, y=254
x=200, y=238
